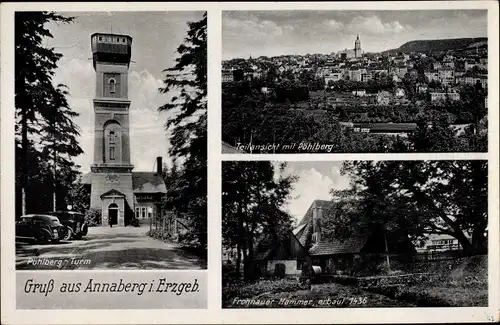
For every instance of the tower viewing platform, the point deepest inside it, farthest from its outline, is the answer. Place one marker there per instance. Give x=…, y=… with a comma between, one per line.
x=111, y=48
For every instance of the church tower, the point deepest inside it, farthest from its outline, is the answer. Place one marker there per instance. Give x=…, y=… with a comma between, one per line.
x=111, y=171
x=357, y=48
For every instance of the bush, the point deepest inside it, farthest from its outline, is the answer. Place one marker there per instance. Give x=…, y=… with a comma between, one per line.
x=93, y=217
x=242, y=290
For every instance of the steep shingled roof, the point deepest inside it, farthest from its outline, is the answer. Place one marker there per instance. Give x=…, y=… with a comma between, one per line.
x=324, y=204
x=304, y=229
x=337, y=246
x=148, y=182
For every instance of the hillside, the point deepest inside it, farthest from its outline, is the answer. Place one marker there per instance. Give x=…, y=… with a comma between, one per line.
x=454, y=44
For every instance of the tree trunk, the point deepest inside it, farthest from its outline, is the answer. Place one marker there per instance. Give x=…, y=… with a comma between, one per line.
x=250, y=262
x=479, y=243
x=467, y=247
x=238, y=259
x=387, y=252
x=24, y=162
x=54, y=189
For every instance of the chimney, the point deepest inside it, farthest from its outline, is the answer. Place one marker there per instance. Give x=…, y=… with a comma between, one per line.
x=159, y=166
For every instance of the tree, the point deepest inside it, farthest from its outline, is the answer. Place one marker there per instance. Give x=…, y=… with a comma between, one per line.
x=436, y=136
x=59, y=142
x=422, y=197
x=189, y=126
x=252, y=207
x=37, y=103
x=79, y=196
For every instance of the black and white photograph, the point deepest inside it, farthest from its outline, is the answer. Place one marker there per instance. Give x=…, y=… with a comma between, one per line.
x=354, y=81
x=355, y=234
x=110, y=140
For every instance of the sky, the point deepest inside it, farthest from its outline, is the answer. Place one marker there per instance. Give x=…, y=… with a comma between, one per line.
x=272, y=33
x=156, y=36
x=315, y=180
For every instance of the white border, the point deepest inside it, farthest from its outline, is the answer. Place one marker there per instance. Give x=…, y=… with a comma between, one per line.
x=214, y=314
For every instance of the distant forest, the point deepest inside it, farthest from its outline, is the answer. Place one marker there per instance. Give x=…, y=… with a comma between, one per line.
x=438, y=45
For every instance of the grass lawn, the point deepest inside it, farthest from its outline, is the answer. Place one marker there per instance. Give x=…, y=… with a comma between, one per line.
x=288, y=294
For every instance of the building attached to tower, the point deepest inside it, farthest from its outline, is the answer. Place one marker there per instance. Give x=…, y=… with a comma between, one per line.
x=120, y=193
x=357, y=52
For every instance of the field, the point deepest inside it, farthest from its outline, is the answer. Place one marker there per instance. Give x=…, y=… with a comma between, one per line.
x=451, y=283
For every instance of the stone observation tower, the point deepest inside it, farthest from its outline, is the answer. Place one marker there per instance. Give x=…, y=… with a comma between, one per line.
x=125, y=197
x=357, y=48
x=111, y=188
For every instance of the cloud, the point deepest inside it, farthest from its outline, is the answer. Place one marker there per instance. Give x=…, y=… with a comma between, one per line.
x=333, y=24
x=315, y=181
x=374, y=25
x=250, y=26
x=311, y=185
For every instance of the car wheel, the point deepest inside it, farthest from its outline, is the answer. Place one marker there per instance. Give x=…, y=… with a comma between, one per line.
x=85, y=230
x=68, y=234
x=42, y=238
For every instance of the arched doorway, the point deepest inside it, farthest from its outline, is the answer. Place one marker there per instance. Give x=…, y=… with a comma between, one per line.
x=113, y=213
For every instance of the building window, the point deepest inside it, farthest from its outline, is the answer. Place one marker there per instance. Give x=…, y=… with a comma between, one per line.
x=143, y=212
x=112, y=85
x=100, y=38
x=150, y=212
x=111, y=153
x=137, y=212
x=112, y=136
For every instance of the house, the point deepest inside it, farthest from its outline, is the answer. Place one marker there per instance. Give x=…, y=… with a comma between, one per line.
x=442, y=96
x=421, y=88
x=280, y=257
x=384, y=97
x=386, y=128
x=439, y=246
x=359, y=92
x=229, y=256
x=469, y=64
x=399, y=93
x=333, y=77
x=227, y=76
x=431, y=75
x=446, y=76
x=439, y=242
x=436, y=65
x=358, y=253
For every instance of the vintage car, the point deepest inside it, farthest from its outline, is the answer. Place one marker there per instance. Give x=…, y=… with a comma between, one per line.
x=40, y=228
x=74, y=223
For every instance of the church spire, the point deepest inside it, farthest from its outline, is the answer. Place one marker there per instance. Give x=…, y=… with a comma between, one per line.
x=357, y=47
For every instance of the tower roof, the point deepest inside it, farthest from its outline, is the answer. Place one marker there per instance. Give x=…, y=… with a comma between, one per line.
x=108, y=47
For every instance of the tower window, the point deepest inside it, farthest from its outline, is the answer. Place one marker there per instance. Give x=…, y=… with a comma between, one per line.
x=112, y=85
x=111, y=153
x=112, y=136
